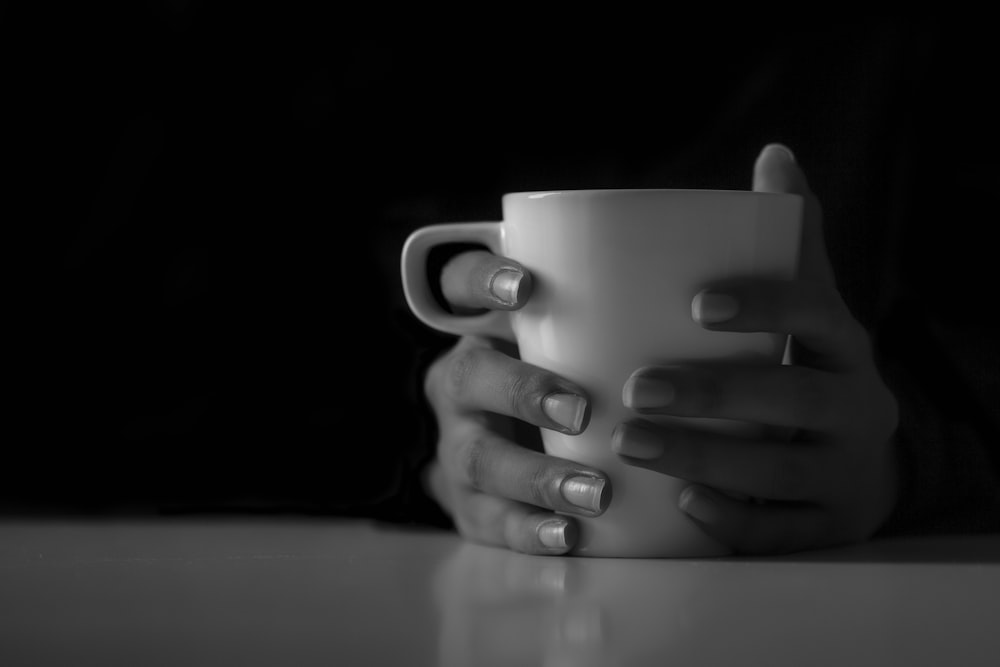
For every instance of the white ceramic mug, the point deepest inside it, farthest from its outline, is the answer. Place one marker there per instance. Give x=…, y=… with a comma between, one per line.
x=614, y=275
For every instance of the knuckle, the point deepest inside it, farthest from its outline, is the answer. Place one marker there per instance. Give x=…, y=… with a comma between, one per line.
x=465, y=524
x=434, y=377
x=879, y=412
x=841, y=323
x=516, y=532
x=438, y=485
x=833, y=318
x=889, y=412
x=523, y=394
x=855, y=339
x=472, y=461
x=861, y=341
x=468, y=519
x=543, y=487
x=462, y=366
x=462, y=525
x=822, y=301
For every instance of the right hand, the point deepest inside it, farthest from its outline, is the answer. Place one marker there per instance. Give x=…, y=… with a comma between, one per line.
x=489, y=472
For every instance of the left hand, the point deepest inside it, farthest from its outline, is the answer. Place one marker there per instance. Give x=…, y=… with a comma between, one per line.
x=835, y=480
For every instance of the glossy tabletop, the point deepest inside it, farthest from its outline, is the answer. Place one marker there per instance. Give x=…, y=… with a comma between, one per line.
x=295, y=591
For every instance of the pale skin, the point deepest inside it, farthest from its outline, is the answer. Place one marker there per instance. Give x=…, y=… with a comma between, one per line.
x=822, y=472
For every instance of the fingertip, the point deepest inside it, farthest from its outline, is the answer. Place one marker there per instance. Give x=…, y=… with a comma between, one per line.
x=710, y=307
x=648, y=389
x=557, y=535
x=569, y=412
x=478, y=279
x=541, y=534
x=587, y=494
x=776, y=170
x=752, y=526
x=778, y=151
x=510, y=287
x=690, y=503
x=635, y=444
x=702, y=504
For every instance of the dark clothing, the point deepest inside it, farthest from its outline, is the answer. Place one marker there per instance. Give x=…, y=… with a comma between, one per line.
x=219, y=322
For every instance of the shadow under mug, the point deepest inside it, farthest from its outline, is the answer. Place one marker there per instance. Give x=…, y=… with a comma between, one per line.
x=614, y=274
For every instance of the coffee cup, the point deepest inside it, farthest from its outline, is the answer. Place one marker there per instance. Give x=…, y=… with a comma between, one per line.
x=614, y=275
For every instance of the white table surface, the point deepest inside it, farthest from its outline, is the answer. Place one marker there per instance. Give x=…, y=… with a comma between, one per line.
x=339, y=593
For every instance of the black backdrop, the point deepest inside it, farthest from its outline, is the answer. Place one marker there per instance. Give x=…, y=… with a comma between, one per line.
x=220, y=192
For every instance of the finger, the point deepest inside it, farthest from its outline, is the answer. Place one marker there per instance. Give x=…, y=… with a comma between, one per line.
x=500, y=522
x=435, y=482
x=478, y=458
x=813, y=313
x=760, y=469
x=755, y=528
x=776, y=170
x=477, y=377
x=479, y=279
x=789, y=396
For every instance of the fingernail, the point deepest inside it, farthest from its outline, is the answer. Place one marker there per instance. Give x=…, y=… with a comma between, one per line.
x=782, y=149
x=699, y=504
x=567, y=410
x=552, y=533
x=584, y=492
x=637, y=443
x=711, y=307
x=505, y=286
x=642, y=392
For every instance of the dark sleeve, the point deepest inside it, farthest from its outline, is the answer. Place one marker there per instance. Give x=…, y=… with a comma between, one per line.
x=938, y=338
x=946, y=381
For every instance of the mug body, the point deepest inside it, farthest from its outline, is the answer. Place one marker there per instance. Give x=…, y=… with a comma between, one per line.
x=615, y=272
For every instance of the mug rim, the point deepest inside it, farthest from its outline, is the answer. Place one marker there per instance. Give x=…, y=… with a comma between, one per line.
x=542, y=194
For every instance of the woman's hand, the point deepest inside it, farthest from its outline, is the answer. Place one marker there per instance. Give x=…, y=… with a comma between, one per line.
x=489, y=473
x=834, y=479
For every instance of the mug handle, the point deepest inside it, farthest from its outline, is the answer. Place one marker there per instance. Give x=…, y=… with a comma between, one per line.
x=420, y=298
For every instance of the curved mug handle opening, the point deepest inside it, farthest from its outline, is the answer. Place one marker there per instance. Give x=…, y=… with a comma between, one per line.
x=420, y=297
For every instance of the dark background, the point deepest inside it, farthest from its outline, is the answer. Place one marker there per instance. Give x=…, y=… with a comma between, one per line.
x=218, y=193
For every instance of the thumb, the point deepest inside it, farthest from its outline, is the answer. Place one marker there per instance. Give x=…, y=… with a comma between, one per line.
x=776, y=170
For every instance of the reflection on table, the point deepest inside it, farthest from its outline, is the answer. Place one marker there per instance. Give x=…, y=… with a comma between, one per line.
x=500, y=608
x=330, y=592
